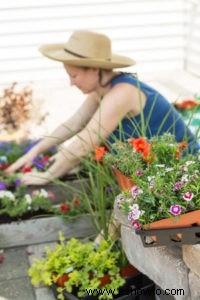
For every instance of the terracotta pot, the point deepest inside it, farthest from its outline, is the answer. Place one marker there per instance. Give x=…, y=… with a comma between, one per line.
x=104, y=280
x=128, y=271
x=189, y=219
x=62, y=279
x=125, y=182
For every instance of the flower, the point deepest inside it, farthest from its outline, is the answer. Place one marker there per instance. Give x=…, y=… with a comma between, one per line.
x=165, y=178
x=3, y=186
x=99, y=152
x=64, y=207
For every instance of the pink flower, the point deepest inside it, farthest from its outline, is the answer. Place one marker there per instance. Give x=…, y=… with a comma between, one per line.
x=188, y=196
x=177, y=186
x=135, y=191
x=175, y=209
x=51, y=195
x=139, y=172
x=136, y=225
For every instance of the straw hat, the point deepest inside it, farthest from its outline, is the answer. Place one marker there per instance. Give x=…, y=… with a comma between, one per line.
x=87, y=49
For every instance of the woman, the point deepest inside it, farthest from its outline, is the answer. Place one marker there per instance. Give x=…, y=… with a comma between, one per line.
x=117, y=106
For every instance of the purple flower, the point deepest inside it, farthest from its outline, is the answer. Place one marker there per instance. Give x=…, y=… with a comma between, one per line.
x=17, y=182
x=37, y=162
x=30, y=146
x=175, y=210
x=109, y=189
x=3, y=186
x=188, y=196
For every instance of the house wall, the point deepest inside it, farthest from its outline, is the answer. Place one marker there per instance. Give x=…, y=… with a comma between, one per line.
x=162, y=36
x=153, y=32
x=192, y=48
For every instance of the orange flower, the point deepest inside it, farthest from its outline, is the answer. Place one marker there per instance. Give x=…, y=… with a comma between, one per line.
x=147, y=155
x=178, y=152
x=182, y=145
x=140, y=144
x=99, y=152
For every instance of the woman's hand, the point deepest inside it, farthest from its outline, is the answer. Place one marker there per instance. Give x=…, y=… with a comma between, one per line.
x=35, y=178
x=24, y=161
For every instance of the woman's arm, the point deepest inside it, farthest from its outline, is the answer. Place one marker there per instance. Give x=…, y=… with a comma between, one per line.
x=65, y=131
x=112, y=109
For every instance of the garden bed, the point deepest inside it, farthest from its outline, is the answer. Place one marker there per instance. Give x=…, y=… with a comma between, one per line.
x=43, y=229
x=64, y=190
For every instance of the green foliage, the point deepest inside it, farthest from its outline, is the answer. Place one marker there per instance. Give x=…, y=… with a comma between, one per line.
x=84, y=262
x=71, y=209
x=16, y=204
x=99, y=194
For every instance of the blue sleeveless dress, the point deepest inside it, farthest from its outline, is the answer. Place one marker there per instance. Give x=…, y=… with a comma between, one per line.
x=158, y=116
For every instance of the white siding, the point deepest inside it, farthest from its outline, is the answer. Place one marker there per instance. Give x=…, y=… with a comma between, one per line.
x=192, y=54
x=153, y=32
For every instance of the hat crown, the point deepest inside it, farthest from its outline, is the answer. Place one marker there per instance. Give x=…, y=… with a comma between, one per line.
x=89, y=45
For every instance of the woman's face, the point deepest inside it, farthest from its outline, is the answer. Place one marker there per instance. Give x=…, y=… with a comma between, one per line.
x=85, y=79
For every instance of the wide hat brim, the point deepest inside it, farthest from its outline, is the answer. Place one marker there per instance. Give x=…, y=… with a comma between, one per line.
x=57, y=52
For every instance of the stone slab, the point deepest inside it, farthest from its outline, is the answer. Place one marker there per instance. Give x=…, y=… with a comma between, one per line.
x=191, y=257
x=17, y=289
x=194, y=281
x=44, y=293
x=43, y=230
x=15, y=264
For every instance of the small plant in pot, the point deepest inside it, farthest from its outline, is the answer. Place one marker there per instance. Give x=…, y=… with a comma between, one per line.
x=85, y=267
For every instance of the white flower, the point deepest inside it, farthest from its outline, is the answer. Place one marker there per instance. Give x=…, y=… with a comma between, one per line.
x=44, y=193
x=160, y=165
x=7, y=194
x=150, y=178
x=28, y=199
x=189, y=162
x=134, y=207
x=169, y=169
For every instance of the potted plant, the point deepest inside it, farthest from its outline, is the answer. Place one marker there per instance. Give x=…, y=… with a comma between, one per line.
x=165, y=181
x=86, y=267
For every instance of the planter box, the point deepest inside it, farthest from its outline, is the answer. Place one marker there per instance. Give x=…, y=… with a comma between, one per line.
x=136, y=287
x=44, y=229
